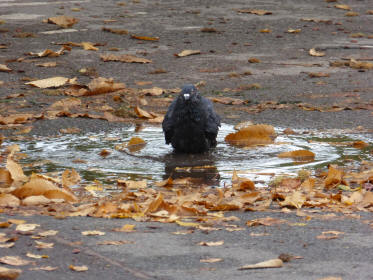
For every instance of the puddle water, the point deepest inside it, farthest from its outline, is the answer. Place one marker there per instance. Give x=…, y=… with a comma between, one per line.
x=156, y=161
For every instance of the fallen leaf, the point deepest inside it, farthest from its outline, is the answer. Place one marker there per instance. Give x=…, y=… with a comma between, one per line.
x=63, y=21
x=114, y=242
x=49, y=82
x=78, y=268
x=135, y=144
x=8, y=273
x=44, y=268
x=296, y=199
x=115, y=31
x=93, y=232
x=187, y=53
x=9, y=200
x=211, y=243
x=155, y=91
x=255, y=12
x=318, y=74
x=141, y=113
x=267, y=221
x=342, y=7
x=351, y=14
x=211, y=260
x=294, y=30
x=48, y=233
x=88, y=46
x=144, y=38
x=331, y=234
x=314, y=52
x=30, y=255
x=14, y=260
x=274, y=263
x=334, y=177
x=4, y=68
x=50, y=53
x=126, y=228
x=26, y=227
x=265, y=30
x=43, y=245
x=298, y=155
x=254, y=60
x=36, y=200
x=102, y=85
x=252, y=135
x=124, y=58
x=47, y=64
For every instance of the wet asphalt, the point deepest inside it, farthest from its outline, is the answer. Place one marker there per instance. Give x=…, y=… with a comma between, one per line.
x=283, y=75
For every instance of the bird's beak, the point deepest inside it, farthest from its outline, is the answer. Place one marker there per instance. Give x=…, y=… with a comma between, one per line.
x=186, y=96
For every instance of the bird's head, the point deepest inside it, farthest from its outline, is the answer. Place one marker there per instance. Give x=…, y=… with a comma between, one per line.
x=189, y=93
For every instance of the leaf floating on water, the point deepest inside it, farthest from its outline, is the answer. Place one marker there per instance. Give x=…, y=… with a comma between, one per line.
x=299, y=155
x=135, y=144
x=259, y=134
x=274, y=263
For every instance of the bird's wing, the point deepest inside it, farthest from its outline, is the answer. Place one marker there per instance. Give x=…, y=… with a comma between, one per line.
x=213, y=119
x=168, y=122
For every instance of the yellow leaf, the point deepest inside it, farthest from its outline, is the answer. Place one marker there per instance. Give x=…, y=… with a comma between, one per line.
x=124, y=58
x=8, y=200
x=145, y=38
x=334, y=177
x=88, y=46
x=8, y=273
x=4, y=68
x=92, y=232
x=211, y=243
x=296, y=200
x=342, y=7
x=187, y=224
x=13, y=260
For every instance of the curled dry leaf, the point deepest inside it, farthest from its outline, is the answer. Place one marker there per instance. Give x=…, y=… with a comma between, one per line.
x=78, y=268
x=63, y=21
x=255, y=12
x=351, y=14
x=50, y=53
x=103, y=85
x=26, y=227
x=267, y=221
x=16, y=118
x=296, y=199
x=334, y=177
x=88, y=46
x=298, y=155
x=4, y=68
x=124, y=58
x=15, y=170
x=155, y=91
x=41, y=186
x=342, y=6
x=318, y=74
x=331, y=234
x=142, y=113
x=47, y=64
x=144, y=38
x=187, y=53
x=258, y=134
x=115, y=31
x=49, y=82
x=35, y=200
x=8, y=273
x=211, y=243
x=34, y=256
x=274, y=263
x=93, y=232
x=43, y=245
x=9, y=200
x=14, y=260
x=314, y=52
x=294, y=30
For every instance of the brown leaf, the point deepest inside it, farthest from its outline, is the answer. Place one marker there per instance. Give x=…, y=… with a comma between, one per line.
x=115, y=31
x=124, y=58
x=318, y=74
x=50, y=53
x=16, y=118
x=298, y=155
x=103, y=85
x=135, y=144
x=211, y=243
x=144, y=38
x=254, y=60
x=228, y=100
x=8, y=273
x=43, y=245
x=351, y=14
x=255, y=12
x=296, y=199
x=63, y=21
x=187, y=53
x=331, y=234
x=155, y=91
x=274, y=263
x=142, y=113
x=252, y=135
x=360, y=64
x=334, y=177
x=93, y=232
x=47, y=64
x=36, y=200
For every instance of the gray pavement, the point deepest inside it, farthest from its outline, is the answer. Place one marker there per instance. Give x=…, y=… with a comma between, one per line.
x=157, y=253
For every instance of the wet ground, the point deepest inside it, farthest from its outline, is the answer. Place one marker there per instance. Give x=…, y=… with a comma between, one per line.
x=323, y=110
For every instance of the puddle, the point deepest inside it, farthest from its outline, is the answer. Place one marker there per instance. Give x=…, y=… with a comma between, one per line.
x=156, y=161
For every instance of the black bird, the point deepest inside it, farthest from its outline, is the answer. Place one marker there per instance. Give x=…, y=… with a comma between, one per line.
x=191, y=124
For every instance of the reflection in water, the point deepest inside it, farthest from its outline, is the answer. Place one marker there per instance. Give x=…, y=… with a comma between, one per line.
x=199, y=167
x=156, y=161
